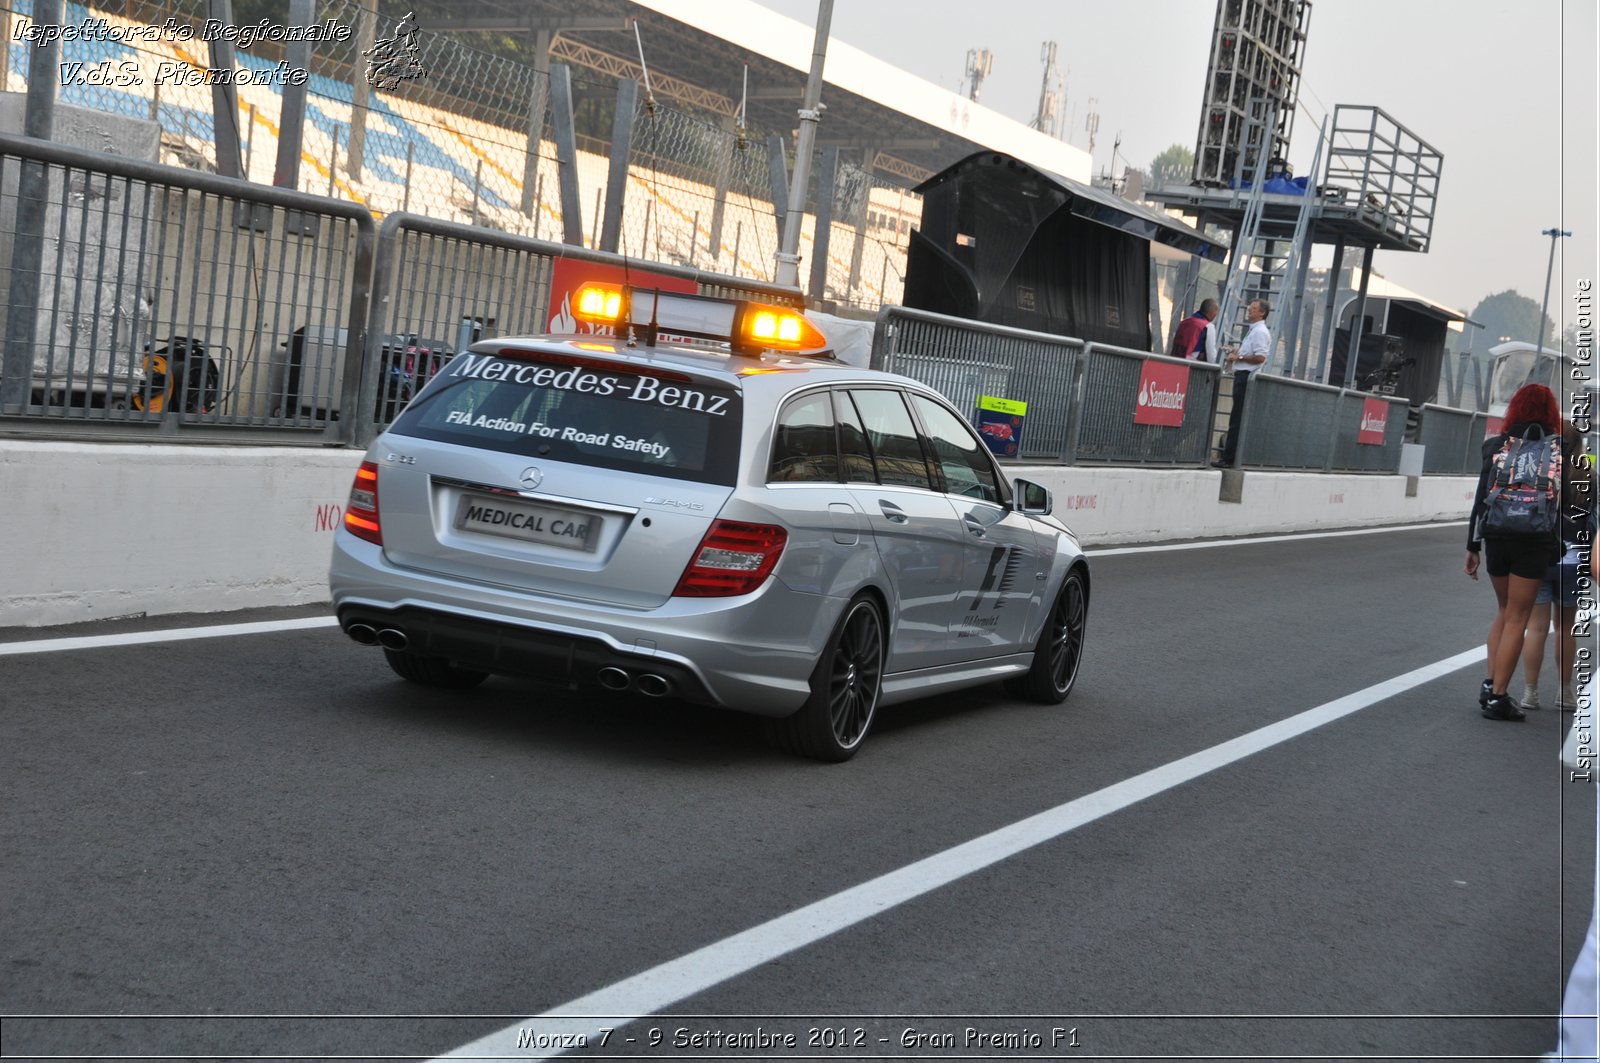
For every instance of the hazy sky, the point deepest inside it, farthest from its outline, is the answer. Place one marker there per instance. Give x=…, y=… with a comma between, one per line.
x=1506, y=92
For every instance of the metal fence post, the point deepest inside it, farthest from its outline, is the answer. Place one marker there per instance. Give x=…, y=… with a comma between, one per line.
x=536, y=104
x=333, y=162
x=356, y=157
x=293, y=123
x=827, y=182
x=477, y=191
x=362, y=382
x=1252, y=402
x=411, y=150
x=621, y=156
x=566, y=153
x=1080, y=366
x=1333, y=430
x=883, y=337
x=778, y=164
x=224, y=97
x=33, y=195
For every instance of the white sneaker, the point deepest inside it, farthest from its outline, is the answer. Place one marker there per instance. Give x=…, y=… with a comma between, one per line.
x=1530, y=697
x=1568, y=699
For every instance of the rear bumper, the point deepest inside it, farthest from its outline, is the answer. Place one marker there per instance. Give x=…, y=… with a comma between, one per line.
x=751, y=654
x=489, y=646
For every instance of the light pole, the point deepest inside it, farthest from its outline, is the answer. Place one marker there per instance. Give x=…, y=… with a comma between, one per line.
x=786, y=270
x=1554, y=235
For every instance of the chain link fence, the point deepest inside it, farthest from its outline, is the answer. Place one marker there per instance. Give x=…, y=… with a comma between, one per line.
x=461, y=135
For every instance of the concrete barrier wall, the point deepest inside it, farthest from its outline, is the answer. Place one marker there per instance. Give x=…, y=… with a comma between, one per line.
x=96, y=531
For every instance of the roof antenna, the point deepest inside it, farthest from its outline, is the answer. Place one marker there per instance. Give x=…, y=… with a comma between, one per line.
x=626, y=310
x=649, y=97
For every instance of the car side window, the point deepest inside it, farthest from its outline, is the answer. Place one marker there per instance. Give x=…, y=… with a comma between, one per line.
x=855, y=453
x=894, y=439
x=959, y=452
x=803, y=448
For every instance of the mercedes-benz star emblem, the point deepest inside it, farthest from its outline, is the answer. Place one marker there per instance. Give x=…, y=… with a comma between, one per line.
x=532, y=477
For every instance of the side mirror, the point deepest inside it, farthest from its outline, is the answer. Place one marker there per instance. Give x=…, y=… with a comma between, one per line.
x=1029, y=497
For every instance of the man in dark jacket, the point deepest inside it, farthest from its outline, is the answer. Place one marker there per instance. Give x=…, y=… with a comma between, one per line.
x=1191, y=336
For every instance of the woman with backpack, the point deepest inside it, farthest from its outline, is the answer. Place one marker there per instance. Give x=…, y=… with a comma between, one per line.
x=1530, y=480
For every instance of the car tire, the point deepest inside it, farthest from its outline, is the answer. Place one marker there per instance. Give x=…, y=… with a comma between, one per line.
x=431, y=671
x=1059, y=651
x=845, y=687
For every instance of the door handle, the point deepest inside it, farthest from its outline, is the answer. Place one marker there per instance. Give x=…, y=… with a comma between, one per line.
x=892, y=511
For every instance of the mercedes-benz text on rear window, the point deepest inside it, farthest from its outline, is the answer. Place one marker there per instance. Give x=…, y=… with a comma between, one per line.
x=586, y=411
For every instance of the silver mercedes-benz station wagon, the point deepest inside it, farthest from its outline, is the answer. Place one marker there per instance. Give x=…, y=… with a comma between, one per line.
x=708, y=507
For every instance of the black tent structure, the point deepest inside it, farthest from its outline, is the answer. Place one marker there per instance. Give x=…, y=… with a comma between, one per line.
x=1004, y=242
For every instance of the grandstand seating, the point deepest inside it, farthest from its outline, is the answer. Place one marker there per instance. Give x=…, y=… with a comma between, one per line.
x=461, y=169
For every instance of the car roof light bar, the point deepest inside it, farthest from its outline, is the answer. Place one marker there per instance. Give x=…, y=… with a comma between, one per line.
x=748, y=327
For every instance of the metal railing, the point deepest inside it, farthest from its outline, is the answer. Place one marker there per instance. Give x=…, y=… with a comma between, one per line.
x=963, y=359
x=1454, y=440
x=1108, y=428
x=1293, y=424
x=141, y=300
x=439, y=286
x=1081, y=397
x=150, y=302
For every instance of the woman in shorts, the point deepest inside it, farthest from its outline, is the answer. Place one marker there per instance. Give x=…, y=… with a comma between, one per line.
x=1517, y=566
x=1558, y=595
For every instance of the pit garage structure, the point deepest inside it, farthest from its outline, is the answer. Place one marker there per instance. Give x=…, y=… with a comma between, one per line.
x=1007, y=243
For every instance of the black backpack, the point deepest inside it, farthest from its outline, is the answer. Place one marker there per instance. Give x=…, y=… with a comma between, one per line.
x=1524, y=498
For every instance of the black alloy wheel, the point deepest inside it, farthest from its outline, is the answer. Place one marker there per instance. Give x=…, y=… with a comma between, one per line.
x=845, y=686
x=1059, y=651
x=857, y=671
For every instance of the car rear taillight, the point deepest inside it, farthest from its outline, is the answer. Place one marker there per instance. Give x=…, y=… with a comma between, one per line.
x=361, y=514
x=733, y=558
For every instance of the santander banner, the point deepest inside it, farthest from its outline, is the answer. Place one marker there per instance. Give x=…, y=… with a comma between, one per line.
x=1374, y=419
x=1163, y=387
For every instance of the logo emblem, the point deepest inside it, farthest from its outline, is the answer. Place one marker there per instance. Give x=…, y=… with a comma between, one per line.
x=392, y=60
x=532, y=477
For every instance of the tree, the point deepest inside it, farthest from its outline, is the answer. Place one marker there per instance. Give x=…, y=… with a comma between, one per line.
x=1173, y=166
x=1509, y=316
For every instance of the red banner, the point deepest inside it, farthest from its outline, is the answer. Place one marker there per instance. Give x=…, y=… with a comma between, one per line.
x=1374, y=420
x=1163, y=388
x=568, y=275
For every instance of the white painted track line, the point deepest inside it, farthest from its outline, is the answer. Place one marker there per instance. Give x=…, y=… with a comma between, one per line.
x=179, y=634
x=657, y=989
x=137, y=638
x=1287, y=538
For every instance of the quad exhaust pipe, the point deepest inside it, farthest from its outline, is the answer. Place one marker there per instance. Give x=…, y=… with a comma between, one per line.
x=650, y=685
x=392, y=638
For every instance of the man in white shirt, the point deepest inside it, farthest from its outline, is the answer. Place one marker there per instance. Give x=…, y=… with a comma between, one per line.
x=1245, y=362
x=1208, y=353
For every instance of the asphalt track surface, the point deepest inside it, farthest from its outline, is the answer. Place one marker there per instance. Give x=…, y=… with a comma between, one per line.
x=267, y=845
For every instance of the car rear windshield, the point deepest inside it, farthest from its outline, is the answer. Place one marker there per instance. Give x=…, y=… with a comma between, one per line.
x=583, y=410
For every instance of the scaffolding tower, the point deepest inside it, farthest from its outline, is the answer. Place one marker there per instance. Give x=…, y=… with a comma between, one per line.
x=1377, y=191
x=1252, y=86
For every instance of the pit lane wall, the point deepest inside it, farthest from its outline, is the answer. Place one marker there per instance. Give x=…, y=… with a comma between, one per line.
x=95, y=531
